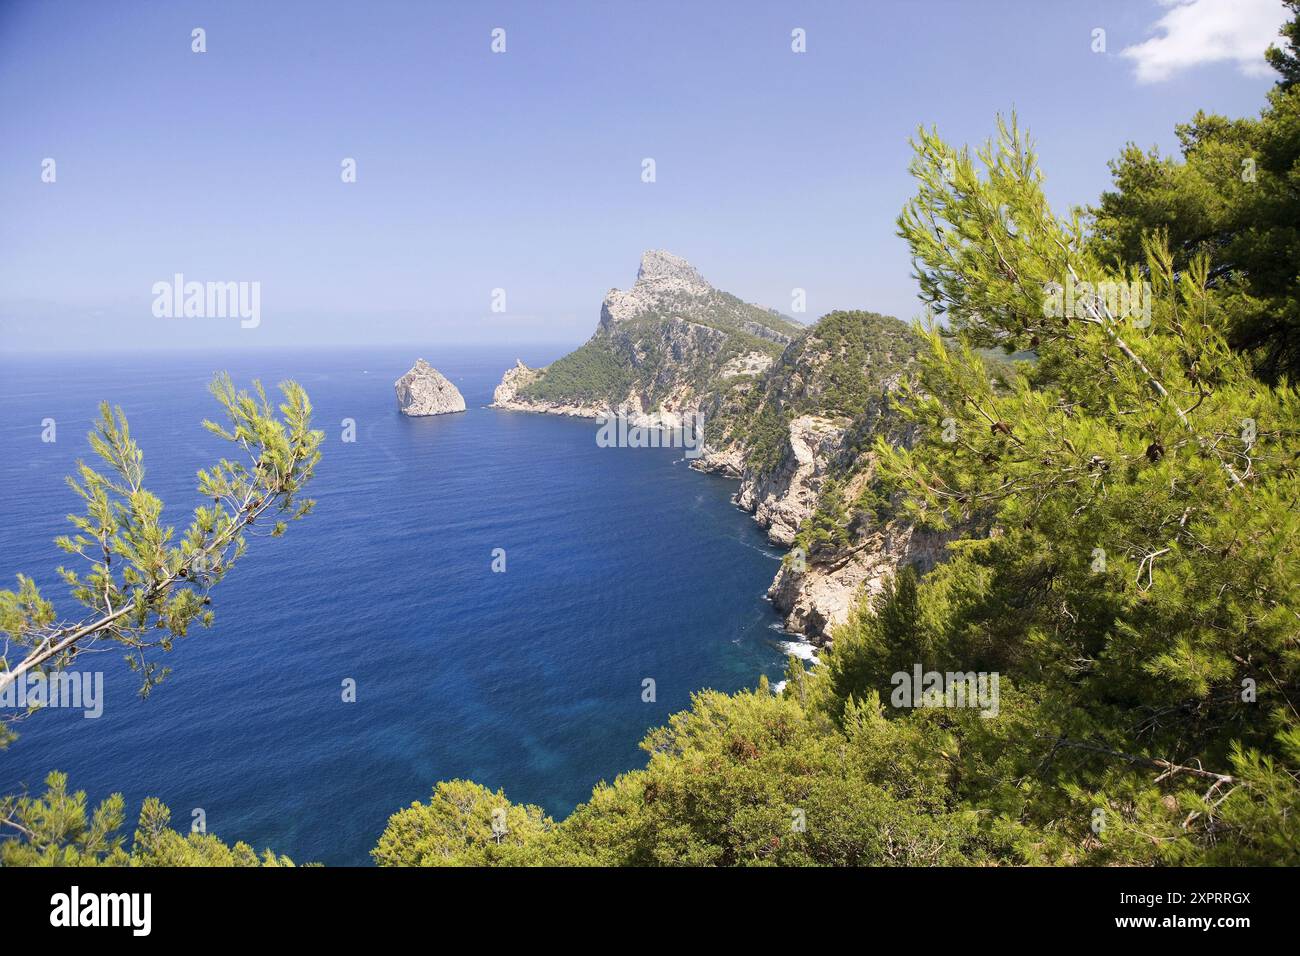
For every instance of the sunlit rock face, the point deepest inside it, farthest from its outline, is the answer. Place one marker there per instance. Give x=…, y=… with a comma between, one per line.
x=426, y=391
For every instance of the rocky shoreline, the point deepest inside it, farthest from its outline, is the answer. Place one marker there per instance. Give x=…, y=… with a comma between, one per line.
x=819, y=597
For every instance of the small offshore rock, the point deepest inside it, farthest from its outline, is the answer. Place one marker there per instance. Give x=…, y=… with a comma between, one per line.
x=426, y=391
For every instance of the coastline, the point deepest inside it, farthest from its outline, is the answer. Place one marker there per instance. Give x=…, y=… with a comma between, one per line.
x=809, y=607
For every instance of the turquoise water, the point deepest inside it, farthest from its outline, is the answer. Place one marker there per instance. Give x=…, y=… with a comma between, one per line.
x=622, y=564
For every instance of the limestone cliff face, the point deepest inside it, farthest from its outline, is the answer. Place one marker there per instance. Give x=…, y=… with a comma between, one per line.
x=783, y=498
x=802, y=438
x=820, y=597
x=826, y=575
x=426, y=391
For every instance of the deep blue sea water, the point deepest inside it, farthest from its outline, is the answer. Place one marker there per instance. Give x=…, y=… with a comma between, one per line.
x=622, y=564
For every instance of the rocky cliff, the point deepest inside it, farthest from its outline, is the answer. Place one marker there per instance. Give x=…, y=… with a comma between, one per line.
x=800, y=441
x=790, y=411
x=426, y=391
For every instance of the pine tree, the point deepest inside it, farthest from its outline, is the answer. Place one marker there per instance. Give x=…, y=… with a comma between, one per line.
x=157, y=589
x=1138, y=482
x=143, y=592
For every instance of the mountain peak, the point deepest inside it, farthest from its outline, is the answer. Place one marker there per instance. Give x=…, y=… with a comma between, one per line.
x=664, y=268
x=667, y=286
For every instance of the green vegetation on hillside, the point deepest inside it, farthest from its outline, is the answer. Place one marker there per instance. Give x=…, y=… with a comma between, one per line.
x=834, y=369
x=684, y=341
x=593, y=373
x=850, y=354
x=639, y=356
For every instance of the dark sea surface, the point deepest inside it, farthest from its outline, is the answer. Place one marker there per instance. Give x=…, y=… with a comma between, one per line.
x=622, y=564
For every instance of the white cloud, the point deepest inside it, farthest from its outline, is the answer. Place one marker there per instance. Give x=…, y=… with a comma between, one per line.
x=1196, y=32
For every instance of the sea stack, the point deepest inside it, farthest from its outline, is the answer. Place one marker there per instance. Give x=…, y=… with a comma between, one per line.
x=426, y=391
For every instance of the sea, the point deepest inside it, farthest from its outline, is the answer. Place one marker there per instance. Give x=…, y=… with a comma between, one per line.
x=373, y=650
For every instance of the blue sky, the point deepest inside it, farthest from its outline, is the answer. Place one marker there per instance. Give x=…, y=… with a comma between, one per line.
x=522, y=170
